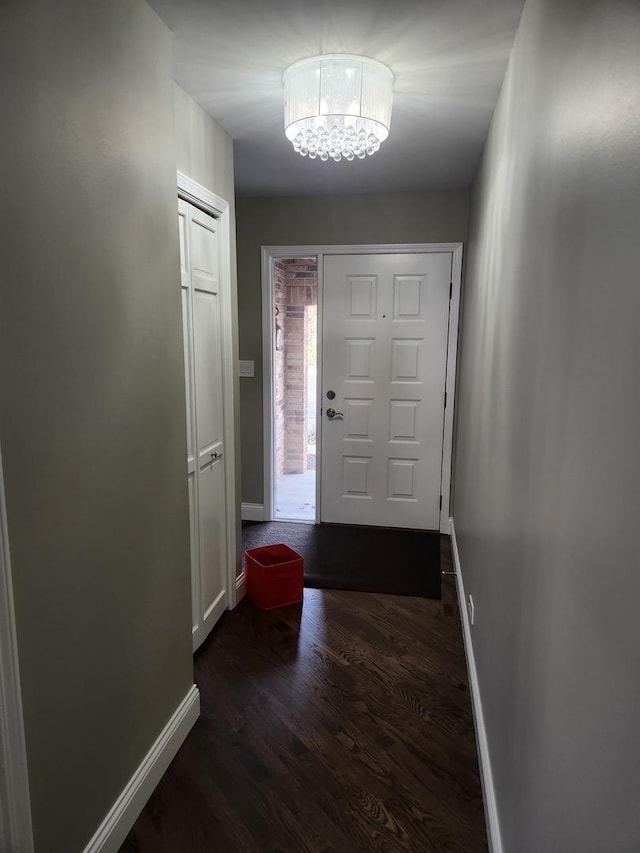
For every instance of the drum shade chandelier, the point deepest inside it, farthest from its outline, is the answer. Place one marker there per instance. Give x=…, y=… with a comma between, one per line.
x=337, y=106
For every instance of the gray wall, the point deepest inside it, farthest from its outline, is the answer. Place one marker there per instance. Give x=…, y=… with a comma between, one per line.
x=548, y=473
x=204, y=149
x=92, y=422
x=321, y=220
x=205, y=154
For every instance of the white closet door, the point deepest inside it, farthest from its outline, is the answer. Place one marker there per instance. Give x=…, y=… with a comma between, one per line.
x=205, y=416
x=192, y=477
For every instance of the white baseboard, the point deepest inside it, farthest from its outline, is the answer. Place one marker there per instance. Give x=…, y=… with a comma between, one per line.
x=252, y=512
x=241, y=587
x=488, y=790
x=115, y=827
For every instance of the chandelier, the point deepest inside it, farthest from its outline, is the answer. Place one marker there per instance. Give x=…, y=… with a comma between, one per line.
x=337, y=106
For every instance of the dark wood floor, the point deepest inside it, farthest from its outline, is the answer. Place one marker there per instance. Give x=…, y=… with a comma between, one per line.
x=340, y=726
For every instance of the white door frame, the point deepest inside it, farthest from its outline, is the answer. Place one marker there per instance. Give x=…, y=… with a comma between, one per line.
x=271, y=253
x=16, y=832
x=210, y=203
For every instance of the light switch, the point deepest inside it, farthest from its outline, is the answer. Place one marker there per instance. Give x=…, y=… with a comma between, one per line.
x=247, y=368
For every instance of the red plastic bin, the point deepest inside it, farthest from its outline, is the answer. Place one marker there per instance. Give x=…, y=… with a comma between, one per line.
x=275, y=576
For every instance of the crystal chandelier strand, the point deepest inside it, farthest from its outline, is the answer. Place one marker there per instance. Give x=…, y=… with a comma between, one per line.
x=336, y=143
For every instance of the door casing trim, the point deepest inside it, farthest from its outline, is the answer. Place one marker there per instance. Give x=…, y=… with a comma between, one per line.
x=271, y=253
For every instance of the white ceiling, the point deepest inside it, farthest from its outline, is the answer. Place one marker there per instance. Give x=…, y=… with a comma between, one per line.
x=448, y=58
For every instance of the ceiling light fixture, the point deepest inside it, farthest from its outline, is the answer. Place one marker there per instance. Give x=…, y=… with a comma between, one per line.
x=337, y=106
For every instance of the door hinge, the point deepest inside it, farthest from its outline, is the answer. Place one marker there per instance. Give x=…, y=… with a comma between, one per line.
x=450, y=289
x=440, y=501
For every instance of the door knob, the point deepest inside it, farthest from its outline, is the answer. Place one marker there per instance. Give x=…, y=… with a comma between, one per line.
x=332, y=414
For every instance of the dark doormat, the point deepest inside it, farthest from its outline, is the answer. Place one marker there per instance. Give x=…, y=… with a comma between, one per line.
x=364, y=559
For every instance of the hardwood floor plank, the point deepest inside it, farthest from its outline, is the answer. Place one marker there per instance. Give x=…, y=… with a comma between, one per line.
x=342, y=725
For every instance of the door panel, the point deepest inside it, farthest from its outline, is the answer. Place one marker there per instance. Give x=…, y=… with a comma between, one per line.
x=204, y=251
x=192, y=485
x=201, y=314
x=385, y=326
x=208, y=374
x=188, y=360
x=212, y=542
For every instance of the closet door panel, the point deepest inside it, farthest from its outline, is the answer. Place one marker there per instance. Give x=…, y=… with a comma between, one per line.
x=208, y=374
x=188, y=359
x=212, y=541
x=192, y=475
x=192, y=485
x=208, y=415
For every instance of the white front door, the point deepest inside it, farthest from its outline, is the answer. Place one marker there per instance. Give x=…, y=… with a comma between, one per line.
x=200, y=279
x=384, y=344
